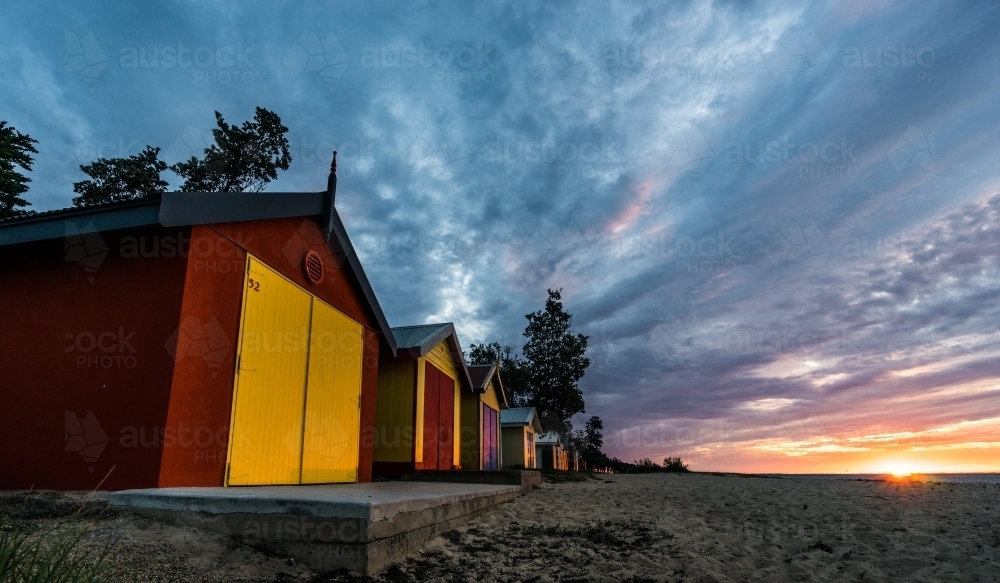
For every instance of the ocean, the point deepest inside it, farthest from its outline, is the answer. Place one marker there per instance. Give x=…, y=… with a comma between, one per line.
x=955, y=478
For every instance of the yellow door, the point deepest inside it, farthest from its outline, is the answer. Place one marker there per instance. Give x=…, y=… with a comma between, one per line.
x=333, y=397
x=266, y=433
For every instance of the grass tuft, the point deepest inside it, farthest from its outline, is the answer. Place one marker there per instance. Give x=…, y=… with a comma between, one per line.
x=50, y=557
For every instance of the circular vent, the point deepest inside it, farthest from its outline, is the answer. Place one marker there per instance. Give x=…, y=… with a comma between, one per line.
x=313, y=265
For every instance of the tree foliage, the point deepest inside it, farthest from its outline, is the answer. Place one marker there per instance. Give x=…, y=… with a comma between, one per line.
x=556, y=360
x=242, y=159
x=674, y=464
x=117, y=179
x=15, y=151
x=590, y=441
x=648, y=466
x=513, y=369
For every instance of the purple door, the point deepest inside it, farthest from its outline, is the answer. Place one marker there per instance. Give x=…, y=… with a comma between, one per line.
x=491, y=441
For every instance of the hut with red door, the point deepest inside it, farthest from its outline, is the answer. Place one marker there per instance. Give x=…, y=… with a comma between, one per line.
x=417, y=417
x=481, y=409
x=188, y=339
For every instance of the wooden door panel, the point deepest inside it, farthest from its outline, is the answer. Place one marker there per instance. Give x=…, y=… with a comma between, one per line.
x=491, y=441
x=446, y=423
x=266, y=436
x=333, y=397
x=431, y=416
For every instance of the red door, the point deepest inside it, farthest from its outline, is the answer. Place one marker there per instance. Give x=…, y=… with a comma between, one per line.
x=491, y=453
x=432, y=398
x=446, y=423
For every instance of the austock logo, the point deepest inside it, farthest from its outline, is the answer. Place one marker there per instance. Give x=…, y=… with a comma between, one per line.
x=310, y=54
x=827, y=159
x=799, y=53
x=905, y=336
x=295, y=249
x=470, y=63
x=86, y=247
x=85, y=57
x=793, y=425
x=684, y=149
x=918, y=526
x=85, y=436
x=554, y=243
x=321, y=436
x=228, y=64
x=189, y=142
x=441, y=152
x=605, y=350
x=686, y=342
x=913, y=149
x=549, y=248
x=86, y=152
x=109, y=349
x=207, y=341
x=565, y=57
x=204, y=444
x=793, y=244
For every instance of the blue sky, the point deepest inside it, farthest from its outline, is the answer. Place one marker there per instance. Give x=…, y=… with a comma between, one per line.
x=778, y=224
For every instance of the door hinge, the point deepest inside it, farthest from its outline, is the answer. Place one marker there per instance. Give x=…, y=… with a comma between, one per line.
x=239, y=363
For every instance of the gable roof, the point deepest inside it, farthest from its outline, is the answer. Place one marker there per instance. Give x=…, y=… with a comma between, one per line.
x=549, y=438
x=520, y=417
x=421, y=338
x=417, y=341
x=517, y=416
x=177, y=209
x=481, y=374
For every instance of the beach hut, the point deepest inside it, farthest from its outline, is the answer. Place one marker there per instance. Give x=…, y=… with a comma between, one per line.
x=481, y=410
x=187, y=339
x=550, y=451
x=573, y=459
x=417, y=415
x=519, y=427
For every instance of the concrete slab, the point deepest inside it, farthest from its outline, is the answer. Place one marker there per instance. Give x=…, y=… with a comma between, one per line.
x=526, y=479
x=361, y=527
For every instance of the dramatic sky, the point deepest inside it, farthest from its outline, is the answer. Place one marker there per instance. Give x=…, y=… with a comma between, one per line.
x=779, y=226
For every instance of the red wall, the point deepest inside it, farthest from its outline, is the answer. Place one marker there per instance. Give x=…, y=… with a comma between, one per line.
x=155, y=403
x=369, y=392
x=201, y=396
x=91, y=346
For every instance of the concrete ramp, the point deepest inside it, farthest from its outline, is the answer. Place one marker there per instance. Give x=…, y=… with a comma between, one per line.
x=361, y=527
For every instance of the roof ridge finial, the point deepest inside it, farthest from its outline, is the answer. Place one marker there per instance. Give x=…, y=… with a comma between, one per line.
x=331, y=198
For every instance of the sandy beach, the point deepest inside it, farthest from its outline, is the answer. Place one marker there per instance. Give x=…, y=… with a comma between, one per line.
x=658, y=527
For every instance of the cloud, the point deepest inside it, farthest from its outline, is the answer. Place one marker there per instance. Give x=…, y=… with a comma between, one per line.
x=739, y=219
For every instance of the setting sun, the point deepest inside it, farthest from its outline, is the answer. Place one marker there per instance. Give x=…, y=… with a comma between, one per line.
x=898, y=469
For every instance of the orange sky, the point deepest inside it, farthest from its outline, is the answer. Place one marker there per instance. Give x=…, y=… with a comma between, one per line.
x=796, y=444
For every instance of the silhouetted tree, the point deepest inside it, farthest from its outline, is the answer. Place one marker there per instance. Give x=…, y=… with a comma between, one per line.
x=674, y=464
x=242, y=159
x=556, y=360
x=648, y=466
x=589, y=442
x=513, y=369
x=15, y=150
x=116, y=179
x=644, y=466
